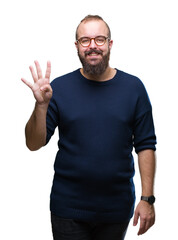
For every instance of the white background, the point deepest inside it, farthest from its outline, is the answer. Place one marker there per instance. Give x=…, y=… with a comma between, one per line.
x=145, y=44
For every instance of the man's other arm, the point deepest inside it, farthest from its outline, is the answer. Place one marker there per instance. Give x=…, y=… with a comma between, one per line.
x=145, y=211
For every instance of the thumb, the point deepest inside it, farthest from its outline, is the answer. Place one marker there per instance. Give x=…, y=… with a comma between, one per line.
x=46, y=88
x=136, y=216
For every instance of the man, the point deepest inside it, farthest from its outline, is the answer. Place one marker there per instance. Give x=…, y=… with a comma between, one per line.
x=101, y=113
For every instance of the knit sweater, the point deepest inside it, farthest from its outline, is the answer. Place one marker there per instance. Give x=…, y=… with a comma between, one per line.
x=99, y=123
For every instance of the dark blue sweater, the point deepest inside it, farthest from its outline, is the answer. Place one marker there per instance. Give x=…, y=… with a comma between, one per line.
x=99, y=124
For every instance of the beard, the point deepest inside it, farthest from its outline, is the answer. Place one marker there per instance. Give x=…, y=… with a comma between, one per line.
x=98, y=68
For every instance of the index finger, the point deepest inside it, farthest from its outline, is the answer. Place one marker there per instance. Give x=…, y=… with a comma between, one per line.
x=48, y=70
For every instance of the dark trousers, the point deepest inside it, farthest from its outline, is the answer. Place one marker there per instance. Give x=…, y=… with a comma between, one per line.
x=70, y=229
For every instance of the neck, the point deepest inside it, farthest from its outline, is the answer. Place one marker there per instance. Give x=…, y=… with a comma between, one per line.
x=108, y=74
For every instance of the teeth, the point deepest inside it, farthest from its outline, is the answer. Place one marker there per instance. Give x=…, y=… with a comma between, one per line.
x=93, y=54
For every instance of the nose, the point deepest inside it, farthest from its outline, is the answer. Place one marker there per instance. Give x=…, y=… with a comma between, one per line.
x=93, y=44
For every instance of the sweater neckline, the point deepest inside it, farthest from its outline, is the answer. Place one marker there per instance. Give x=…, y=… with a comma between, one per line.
x=98, y=83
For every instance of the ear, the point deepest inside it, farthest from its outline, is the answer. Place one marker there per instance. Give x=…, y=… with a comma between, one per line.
x=110, y=44
x=76, y=44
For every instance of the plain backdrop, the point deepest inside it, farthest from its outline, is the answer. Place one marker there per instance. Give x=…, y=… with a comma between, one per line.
x=145, y=44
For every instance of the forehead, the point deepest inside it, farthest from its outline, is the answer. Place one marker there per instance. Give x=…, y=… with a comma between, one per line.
x=92, y=28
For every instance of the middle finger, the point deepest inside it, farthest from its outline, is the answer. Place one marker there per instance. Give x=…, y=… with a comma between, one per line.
x=142, y=226
x=38, y=69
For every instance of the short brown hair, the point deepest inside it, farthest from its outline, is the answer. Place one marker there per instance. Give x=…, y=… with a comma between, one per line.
x=93, y=17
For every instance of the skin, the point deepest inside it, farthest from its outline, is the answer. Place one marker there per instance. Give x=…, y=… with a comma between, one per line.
x=144, y=211
x=35, y=130
x=36, y=126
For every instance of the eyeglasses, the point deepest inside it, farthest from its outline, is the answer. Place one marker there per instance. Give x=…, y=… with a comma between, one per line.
x=86, y=41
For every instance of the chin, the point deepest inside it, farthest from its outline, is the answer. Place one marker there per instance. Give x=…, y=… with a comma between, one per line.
x=93, y=62
x=95, y=66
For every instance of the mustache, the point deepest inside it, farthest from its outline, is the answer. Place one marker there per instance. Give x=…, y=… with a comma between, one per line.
x=93, y=51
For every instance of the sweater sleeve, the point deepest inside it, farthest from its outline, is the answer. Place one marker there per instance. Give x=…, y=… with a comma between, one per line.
x=52, y=119
x=143, y=131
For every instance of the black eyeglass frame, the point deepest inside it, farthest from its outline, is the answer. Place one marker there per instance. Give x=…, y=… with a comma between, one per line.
x=79, y=40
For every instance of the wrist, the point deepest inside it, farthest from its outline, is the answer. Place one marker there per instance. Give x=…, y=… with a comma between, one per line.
x=42, y=106
x=149, y=199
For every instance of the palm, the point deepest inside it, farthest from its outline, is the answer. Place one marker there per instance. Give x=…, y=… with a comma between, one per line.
x=41, y=88
x=41, y=96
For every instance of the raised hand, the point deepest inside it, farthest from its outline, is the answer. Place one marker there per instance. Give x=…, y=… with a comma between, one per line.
x=41, y=88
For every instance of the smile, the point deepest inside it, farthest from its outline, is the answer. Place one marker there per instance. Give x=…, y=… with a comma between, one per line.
x=94, y=54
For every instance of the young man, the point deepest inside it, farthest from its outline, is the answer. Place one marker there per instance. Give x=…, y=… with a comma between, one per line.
x=101, y=113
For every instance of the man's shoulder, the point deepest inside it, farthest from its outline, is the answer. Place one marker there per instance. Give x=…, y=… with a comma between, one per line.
x=130, y=79
x=65, y=79
x=128, y=76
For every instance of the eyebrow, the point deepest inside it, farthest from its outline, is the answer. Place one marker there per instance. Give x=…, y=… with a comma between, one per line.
x=93, y=37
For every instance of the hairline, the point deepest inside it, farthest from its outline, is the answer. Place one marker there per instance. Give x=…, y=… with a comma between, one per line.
x=92, y=19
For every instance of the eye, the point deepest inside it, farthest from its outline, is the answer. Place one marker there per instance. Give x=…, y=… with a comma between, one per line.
x=85, y=40
x=100, y=39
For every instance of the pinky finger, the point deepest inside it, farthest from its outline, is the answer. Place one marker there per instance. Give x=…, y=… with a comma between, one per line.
x=27, y=83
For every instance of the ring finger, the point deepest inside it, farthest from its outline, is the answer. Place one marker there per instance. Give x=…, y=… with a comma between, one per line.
x=35, y=78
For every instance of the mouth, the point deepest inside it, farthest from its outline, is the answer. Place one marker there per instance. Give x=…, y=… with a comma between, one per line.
x=93, y=53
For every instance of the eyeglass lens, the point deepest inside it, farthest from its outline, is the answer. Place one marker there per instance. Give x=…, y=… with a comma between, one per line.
x=100, y=40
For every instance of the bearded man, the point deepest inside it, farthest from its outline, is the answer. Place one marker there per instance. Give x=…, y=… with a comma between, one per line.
x=101, y=114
